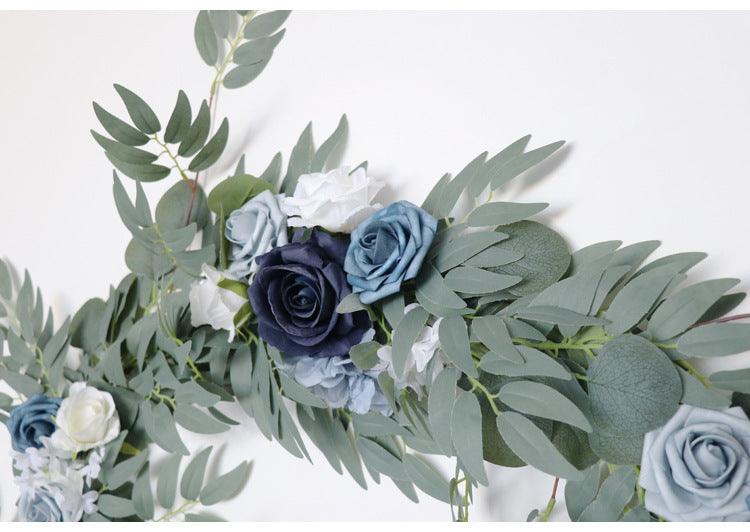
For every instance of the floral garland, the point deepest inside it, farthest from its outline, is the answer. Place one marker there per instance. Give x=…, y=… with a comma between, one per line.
x=395, y=332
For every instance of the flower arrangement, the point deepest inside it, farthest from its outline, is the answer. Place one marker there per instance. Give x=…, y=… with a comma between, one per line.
x=388, y=334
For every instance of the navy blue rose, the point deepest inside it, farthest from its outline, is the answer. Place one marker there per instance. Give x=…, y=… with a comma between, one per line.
x=29, y=422
x=295, y=292
x=387, y=249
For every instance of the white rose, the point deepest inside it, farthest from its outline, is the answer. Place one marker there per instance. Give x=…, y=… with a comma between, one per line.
x=87, y=418
x=422, y=352
x=213, y=305
x=336, y=201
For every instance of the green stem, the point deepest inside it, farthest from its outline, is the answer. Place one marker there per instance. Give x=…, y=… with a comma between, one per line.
x=476, y=385
x=544, y=516
x=169, y=153
x=692, y=370
x=184, y=508
x=233, y=44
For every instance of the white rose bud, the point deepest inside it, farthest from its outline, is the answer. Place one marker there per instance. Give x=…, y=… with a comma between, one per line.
x=336, y=201
x=87, y=418
x=212, y=305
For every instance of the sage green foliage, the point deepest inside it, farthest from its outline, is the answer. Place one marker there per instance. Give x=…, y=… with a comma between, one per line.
x=559, y=360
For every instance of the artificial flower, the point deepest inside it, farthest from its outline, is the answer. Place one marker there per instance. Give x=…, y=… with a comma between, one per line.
x=422, y=351
x=337, y=200
x=212, y=305
x=697, y=466
x=387, y=249
x=87, y=418
x=31, y=421
x=38, y=506
x=294, y=295
x=254, y=229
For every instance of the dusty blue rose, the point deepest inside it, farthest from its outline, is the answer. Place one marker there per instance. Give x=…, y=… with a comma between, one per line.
x=387, y=249
x=38, y=506
x=339, y=383
x=294, y=295
x=697, y=466
x=254, y=229
x=32, y=420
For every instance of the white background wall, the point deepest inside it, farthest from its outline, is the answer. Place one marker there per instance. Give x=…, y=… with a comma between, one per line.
x=655, y=107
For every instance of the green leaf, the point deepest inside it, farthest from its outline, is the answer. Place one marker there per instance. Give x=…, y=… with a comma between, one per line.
x=470, y=280
x=272, y=172
x=140, y=172
x=633, y=387
x=523, y=162
x=502, y=213
x=404, y=336
x=160, y=426
x=380, y=459
x=715, y=340
x=330, y=144
x=192, y=478
x=123, y=152
x=683, y=261
x=141, y=114
x=349, y=304
x=299, y=161
x=461, y=249
x=493, y=256
x=695, y=393
x=166, y=484
x=223, y=22
x=557, y=316
x=234, y=192
x=580, y=493
x=195, y=137
x=205, y=39
x=143, y=499
x=119, y=129
x=452, y=190
x=615, y=493
x=493, y=333
x=440, y=402
x=393, y=309
x=375, y=424
x=466, y=434
x=684, y=308
x=637, y=297
x=365, y=355
x=299, y=393
x=530, y=443
x=241, y=75
x=545, y=256
x=226, y=486
x=434, y=294
x=430, y=204
x=197, y=421
x=535, y=363
x=257, y=52
x=734, y=380
x=454, y=341
x=427, y=478
x=495, y=164
x=123, y=471
x=116, y=507
x=23, y=384
x=212, y=150
x=172, y=210
x=265, y=24
x=537, y=399
x=180, y=120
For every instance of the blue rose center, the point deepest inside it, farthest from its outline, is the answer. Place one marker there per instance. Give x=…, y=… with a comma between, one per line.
x=711, y=458
x=380, y=243
x=300, y=296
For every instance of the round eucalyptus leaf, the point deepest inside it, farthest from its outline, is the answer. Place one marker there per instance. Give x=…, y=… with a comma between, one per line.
x=545, y=260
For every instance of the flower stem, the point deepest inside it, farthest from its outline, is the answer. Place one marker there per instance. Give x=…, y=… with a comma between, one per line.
x=544, y=516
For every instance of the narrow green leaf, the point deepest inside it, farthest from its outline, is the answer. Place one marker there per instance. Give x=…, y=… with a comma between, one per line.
x=195, y=137
x=365, y=355
x=123, y=152
x=535, y=363
x=180, y=120
x=257, y=52
x=432, y=289
x=265, y=24
x=557, y=316
x=466, y=434
x=241, y=75
x=212, y=150
x=118, y=129
x=299, y=161
x=461, y=249
x=537, y=399
x=494, y=164
x=141, y=114
x=440, y=402
x=197, y=421
x=493, y=333
x=205, y=39
x=427, y=478
x=404, y=336
x=222, y=22
x=502, y=213
x=143, y=499
x=523, y=162
x=115, y=507
x=733, y=380
x=192, y=478
x=715, y=340
x=454, y=341
x=226, y=486
x=453, y=189
x=470, y=280
x=381, y=459
x=532, y=446
x=375, y=424
x=140, y=172
x=166, y=484
x=330, y=144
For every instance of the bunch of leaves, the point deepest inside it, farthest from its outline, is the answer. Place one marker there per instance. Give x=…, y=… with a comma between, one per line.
x=126, y=491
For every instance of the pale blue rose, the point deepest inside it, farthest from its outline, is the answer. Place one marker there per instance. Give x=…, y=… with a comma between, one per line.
x=38, y=506
x=339, y=383
x=697, y=466
x=253, y=230
x=387, y=249
x=31, y=421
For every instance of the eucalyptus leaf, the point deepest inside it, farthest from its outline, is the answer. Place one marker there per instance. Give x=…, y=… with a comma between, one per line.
x=119, y=129
x=192, y=478
x=454, y=342
x=166, y=484
x=537, y=399
x=466, y=434
x=141, y=114
x=265, y=24
x=205, y=39
x=404, y=336
x=715, y=340
x=503, y=213
x=226, y=486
